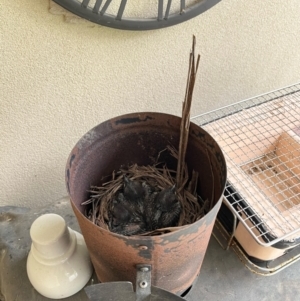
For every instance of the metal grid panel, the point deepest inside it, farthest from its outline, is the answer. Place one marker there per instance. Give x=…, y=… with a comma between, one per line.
x=260, y=138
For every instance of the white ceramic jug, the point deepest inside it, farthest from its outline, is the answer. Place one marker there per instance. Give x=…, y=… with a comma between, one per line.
x=58, y=264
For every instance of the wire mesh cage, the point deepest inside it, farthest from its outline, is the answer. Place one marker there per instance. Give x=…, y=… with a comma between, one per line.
x=260, y=138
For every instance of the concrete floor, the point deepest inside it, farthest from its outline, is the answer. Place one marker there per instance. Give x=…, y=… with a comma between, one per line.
x=223, y=277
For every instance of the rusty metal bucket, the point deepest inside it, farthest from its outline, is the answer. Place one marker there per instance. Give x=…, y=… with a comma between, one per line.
x=175, y=257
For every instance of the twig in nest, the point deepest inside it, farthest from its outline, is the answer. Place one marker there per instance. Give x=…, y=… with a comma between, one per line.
x=213, y=181
x=185, y=121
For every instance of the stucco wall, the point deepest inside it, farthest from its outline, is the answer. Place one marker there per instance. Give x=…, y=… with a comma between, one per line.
x=61, y=79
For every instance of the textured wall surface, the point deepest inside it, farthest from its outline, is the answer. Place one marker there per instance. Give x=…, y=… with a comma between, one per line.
x=59, y=79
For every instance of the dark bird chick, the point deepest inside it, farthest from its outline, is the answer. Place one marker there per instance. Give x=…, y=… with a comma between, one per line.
x=169, y=206
x=119, y=215
x=137, y=193
x=152, y=212
x=125, y=218
x=133, y=189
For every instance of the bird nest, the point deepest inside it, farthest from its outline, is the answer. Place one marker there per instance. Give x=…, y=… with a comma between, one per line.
x=144, y=200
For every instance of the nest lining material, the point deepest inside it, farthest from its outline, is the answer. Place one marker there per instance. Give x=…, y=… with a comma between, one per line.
x=159, y=177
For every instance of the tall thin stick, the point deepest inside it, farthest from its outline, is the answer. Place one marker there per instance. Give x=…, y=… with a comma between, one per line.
x=185, y=120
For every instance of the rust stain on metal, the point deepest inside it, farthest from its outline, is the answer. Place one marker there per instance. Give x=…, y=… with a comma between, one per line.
x=176, y=257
